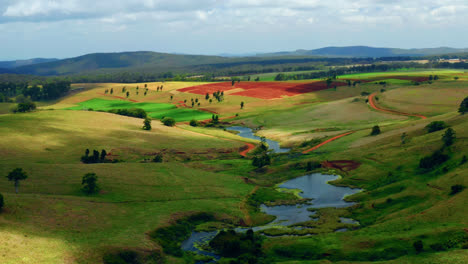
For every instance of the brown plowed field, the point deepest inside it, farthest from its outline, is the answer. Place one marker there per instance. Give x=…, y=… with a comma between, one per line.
x=262, y=90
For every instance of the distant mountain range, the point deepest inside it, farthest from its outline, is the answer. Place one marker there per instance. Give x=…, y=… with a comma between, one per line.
x=364, y=51
x=19, y=63
x=154, y=62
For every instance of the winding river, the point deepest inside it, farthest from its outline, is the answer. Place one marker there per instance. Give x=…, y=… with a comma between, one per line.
x=314, y=186
x=246, y=132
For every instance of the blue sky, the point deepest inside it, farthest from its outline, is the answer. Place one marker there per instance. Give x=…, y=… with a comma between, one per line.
x=67, y=28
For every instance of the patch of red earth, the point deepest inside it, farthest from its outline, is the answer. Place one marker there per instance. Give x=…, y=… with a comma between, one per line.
x=373, y=105
x=262, y=90
x=343, y=165
x=246, y=149
x=327, y=141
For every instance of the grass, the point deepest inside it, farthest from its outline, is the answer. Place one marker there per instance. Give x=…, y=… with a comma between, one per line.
x=61, y=224
x=154, y=110
x=51, y=221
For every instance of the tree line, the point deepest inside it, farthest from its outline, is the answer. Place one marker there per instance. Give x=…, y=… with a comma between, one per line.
x=48, y=90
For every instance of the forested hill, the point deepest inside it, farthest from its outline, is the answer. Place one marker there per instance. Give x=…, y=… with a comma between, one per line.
x=20, y=63
x=365, y=51
x=143, y=60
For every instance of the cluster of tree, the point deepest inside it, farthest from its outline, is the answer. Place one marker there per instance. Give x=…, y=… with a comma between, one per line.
x=25, y=104
x=46, y=90
x=435, y=126
x=262, y=158
x=95, y=157
x=246, y=248
x=219, y=95
x=132, y=112
x=439, y=157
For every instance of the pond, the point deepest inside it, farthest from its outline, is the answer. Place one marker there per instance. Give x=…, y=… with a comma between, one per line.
x=314, y=186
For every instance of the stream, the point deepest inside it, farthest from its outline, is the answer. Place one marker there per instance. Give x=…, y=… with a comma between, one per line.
x=247, y=132
x=314, y=186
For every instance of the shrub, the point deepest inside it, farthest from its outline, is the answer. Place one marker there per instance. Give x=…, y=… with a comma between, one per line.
x=433, y=160
x=463, y=106
x=89, y=183
x=147, y=124
x=435, y=126
x=456, y=189
x=449, y=137
x=158, y=158
x=375, y=131
x=122, y=257
x=193, y=123
x=168, y=121
x=418, y=246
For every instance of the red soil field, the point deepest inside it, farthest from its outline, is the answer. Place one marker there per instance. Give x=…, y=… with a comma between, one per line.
x=262, y=90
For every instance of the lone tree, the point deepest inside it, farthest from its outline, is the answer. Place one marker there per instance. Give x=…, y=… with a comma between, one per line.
x=449, y=137
x=242, y=105
x=17, y=175
x=463, y=106
x=147, y=124
x=89, y=183
x=375, y=131
x=128, y=94
x=1, y=202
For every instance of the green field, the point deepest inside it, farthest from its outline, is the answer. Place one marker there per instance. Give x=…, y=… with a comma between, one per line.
x=52, y=221
x=154, y=110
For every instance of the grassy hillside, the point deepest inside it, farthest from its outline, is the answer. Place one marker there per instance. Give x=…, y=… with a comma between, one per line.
x=52, y=221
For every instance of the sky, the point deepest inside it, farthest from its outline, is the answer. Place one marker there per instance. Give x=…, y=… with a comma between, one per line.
x=69, y=28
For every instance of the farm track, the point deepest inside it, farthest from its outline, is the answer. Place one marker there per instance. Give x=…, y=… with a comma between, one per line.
x=373, y=105
x=327, y=141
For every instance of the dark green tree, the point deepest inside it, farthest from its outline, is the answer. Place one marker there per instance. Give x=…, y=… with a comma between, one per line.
x=112, y=90
x=103, y=155
x=242, y=105
x=193, y=123
x=449, y=137
x=147, y=124
x=128, y=94
x=1, y=202
x=463, y=106
x=418, y=246
x=89, y=183
x=435, y=126
x=16, y=176
x=375, y=131
x=168, y=121
x=158, y=158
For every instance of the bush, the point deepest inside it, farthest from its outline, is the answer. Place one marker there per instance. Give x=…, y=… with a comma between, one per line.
x=147, y=124
x=168, y=121
x=463, y=106
x=435, y=126
x=193, y=123
x=457, y=189
x=418, y=246
x=122, y=257
x=1, y=202
x=375, y=131
x=449, y=137
x=158, y=158
x=89, y=183
x=131, y=112
x=24, y=107
x=433, y=160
